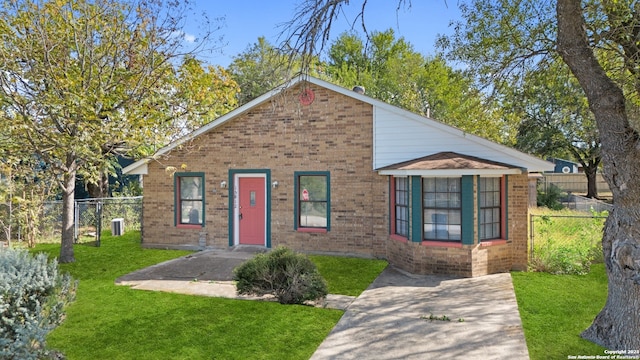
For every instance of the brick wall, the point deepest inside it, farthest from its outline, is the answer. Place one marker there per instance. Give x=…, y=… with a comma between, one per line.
x=333, y=134
x=478, y=259
x=519, y=221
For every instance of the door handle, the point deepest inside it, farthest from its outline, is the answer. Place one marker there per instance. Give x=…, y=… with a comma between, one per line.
x=240, y=216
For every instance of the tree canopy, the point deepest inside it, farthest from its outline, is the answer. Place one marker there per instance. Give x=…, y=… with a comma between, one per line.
x=259, y=69
x=555, y=120
x=83, y=80
x=392, y=71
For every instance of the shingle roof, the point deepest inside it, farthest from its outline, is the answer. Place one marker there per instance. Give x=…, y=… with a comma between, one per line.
x=448, y=161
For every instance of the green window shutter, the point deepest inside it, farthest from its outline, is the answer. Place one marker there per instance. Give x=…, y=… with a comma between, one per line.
x=416, y=209
x=467, y=210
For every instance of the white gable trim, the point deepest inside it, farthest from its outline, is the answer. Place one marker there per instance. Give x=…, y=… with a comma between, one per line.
x=212, y=125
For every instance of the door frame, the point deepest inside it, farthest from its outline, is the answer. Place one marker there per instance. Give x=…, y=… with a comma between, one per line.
x=234, y=227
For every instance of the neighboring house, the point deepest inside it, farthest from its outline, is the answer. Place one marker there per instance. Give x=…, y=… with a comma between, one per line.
x=564, y=166
x=320, y=168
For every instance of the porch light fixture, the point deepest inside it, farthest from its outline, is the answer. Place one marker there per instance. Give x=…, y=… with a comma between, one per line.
x=223, y=184
x=274, y=184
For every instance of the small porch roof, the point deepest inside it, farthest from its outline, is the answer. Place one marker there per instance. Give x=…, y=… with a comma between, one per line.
x=449, y=164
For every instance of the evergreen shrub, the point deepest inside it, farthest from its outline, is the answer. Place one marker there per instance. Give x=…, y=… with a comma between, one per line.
x=292, y=278
x=33, y=295
x=551, y=198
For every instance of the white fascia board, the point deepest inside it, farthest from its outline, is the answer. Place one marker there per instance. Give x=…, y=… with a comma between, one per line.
x=139, y=167
x=452, y=172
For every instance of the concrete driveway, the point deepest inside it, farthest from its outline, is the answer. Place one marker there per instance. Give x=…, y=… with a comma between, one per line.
x=400, y=316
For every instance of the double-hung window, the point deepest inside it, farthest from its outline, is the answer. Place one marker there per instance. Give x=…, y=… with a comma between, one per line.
x=401, y=206
x=442, y=209
x=189, y=193
x=490, y=210
x=313, y=206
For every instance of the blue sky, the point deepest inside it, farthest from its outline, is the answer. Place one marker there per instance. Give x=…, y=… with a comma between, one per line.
x=246, y=20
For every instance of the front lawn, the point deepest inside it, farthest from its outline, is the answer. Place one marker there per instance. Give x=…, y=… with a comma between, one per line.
x=348, y=275
x=555, y=309
x=114, y=322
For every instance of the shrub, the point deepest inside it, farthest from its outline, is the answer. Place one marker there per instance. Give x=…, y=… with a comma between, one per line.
x=565, y=259
x=292, y=278
x=566, y=242
x=33, y=296
x=550, y=198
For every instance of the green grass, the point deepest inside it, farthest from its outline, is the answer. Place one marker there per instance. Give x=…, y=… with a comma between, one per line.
x=114, y=322
x=555, y=309
x=348, y=275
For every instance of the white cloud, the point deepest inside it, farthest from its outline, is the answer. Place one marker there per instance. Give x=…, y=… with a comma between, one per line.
x=189, y=38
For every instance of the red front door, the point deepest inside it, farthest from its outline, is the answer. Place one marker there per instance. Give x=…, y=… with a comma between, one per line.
x=251, y=213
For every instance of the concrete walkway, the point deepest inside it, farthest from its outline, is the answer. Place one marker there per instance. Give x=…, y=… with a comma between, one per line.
x=391, y=320
x=400, y=316
x=207, y=273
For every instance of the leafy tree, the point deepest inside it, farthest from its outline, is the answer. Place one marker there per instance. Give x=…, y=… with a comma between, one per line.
x=391, y=71
x=199, y=94
x=204, y=92
x=83, y=80
x=259, y=69
x=263, y=67
x=617, y=325
x=555, y=118
x=502, y=39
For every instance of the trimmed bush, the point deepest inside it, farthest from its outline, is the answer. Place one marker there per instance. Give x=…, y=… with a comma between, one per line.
x=33, y=296
x=292, y=278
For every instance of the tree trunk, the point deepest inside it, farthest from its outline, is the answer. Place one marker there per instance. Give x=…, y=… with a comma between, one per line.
x=68, y=209
x=592, y=181
x=101, y=189
x=617, y=326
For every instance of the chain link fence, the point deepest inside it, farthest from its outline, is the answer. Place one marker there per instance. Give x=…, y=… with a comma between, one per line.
x=585, y=204
x=565, y=244
x=91, y=217
x=575, y=183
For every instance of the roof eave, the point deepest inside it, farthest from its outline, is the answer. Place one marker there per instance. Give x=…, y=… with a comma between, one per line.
x=451, y=172
x=139, y=167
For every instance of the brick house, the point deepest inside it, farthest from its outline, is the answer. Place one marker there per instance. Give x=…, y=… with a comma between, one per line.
x=320, y=168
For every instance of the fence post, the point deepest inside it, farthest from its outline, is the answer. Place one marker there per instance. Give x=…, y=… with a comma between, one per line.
x=140, y=219
x=98, y=222
x=531, y=236
x=76, y=223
